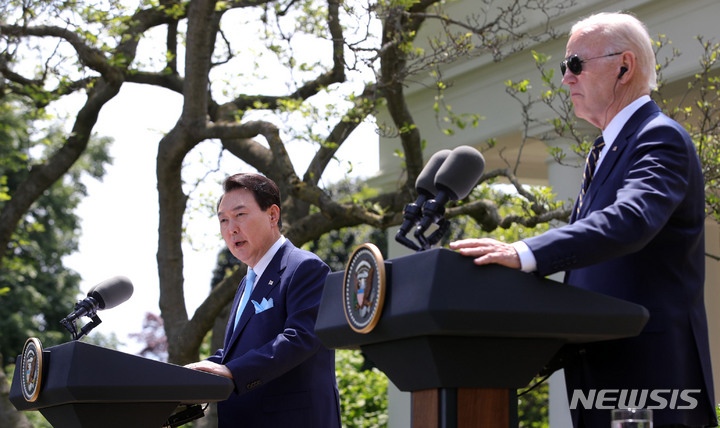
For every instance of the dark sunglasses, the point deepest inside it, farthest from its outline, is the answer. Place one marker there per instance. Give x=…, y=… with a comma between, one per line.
x=574, y=63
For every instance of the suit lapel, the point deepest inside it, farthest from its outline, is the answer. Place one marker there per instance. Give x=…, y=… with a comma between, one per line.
x=602, y=173
x=263, y=287
x=616, y=151
x=229, y=332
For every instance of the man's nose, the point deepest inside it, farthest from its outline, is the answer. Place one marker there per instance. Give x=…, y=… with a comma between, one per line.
x=232, y=227
x=568, y=78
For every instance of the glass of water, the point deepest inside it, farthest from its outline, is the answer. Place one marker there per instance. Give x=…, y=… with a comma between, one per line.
x=632, y=418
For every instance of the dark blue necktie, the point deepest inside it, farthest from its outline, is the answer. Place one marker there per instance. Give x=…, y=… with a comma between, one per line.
x=590, y=165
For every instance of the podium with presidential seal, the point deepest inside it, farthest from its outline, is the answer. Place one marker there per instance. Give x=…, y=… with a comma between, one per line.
x=79, y=385
x=462, y=338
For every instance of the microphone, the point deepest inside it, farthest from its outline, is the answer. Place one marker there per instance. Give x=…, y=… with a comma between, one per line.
x=425, y=186
x=105, y=295
x=454, y=180
x=112, y=292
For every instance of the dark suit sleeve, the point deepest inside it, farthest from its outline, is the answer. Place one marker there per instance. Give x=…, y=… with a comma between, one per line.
x=300, y=292
x=217, y=356
x=637, y=199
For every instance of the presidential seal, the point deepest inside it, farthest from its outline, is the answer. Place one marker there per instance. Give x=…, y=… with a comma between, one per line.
x=31, y=369
x=364, y=288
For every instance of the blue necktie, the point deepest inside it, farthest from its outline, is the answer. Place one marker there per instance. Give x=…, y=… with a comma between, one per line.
x=590, y=165
x=249, y=280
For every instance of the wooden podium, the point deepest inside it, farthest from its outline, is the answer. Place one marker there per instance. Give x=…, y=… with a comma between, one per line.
x=462, y=338
x=87, y=386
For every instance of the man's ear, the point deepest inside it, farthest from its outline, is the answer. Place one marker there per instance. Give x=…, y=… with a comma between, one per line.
x=274, y=212
x=627, y=63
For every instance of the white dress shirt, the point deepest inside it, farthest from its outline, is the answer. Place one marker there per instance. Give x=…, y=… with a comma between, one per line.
x=264, y=261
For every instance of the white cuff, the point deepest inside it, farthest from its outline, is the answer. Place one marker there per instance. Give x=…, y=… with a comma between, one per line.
x=527, y=258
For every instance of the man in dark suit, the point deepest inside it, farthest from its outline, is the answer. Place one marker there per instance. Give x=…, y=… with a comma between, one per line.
x=636, y=232
x=283, y=375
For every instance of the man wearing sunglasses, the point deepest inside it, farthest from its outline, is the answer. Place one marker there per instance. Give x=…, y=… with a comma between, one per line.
x=636, y=233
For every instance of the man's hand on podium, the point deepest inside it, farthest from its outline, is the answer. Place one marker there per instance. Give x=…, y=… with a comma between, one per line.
x=487, y=251
x=210, y=367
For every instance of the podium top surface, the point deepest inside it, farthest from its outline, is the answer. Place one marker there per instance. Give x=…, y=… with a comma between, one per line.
x=440, y=292
x=77, y=372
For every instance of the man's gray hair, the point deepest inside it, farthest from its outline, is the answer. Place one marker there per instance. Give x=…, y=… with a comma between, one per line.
x=624, y=32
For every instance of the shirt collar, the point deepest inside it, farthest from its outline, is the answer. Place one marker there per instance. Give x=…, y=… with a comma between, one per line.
x=617, y=123
x=264, y=261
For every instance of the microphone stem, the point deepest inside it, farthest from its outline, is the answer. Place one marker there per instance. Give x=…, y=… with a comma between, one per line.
x=70, y=326
x=86, y=307
x=443, y=227
x=88, y=327
x=404, y=240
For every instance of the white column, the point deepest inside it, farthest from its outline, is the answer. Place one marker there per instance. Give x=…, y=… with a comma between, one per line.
x=399, y=402
x=399, y=407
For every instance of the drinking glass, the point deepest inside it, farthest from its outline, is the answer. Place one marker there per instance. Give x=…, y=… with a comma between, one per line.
x=631, y=418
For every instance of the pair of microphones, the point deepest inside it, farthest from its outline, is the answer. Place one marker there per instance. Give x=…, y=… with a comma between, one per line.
x=449, y=175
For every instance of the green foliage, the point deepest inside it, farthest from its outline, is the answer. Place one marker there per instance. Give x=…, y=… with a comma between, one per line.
x=504, y=202
x=206, y=350
x=363, y=393
x=335, y=247
x=451, y=121
x=533, y=407
x=39, y=290
x=699, y=110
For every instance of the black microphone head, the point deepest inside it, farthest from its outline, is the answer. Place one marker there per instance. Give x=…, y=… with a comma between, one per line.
x=460, y=172
x=425, y=183
x=112, y=292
